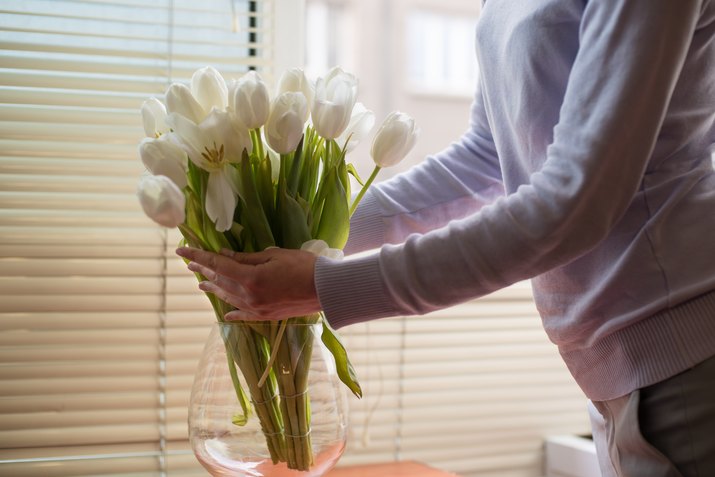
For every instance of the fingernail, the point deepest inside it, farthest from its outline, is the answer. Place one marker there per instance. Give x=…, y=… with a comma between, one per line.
x=182, y=251
x=226, y=252
x=193, y=267
x=204, y=285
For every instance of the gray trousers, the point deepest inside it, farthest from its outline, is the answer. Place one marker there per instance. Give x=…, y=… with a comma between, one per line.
x=663, y=430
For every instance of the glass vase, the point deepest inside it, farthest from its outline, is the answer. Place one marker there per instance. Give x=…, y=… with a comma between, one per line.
x=267, y=401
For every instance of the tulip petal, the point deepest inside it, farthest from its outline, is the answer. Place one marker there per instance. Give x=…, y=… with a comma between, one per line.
x=220, y=200
x=361, y=123
x=250, y=100
x=209, y=89
x=153, y=117
x=190, y=137
x=315, y=246
x=285, y=123
x=180, y=100
x=394, y=140
x=161, y=200
x=163, y=157
x=295, y=81
x=335, y=97
x=221, y=128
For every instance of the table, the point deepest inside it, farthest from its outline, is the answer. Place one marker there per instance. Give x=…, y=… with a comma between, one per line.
x=392, y=469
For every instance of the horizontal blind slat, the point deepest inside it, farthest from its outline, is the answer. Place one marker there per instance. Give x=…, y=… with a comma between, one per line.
x=191, y=323
x=73, y=98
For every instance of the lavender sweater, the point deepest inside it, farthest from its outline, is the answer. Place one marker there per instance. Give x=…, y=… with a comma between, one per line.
x=587, y=168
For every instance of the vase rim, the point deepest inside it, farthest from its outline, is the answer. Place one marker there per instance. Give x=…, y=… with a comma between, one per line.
x=289, y=322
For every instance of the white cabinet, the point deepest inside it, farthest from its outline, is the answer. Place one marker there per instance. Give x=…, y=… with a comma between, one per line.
x=571, y=456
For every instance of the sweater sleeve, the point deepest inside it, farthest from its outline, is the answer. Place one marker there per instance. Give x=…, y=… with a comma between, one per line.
x=447, y=186
x=611, y=114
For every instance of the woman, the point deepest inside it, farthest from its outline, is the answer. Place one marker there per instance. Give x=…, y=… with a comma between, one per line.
x=586, y=168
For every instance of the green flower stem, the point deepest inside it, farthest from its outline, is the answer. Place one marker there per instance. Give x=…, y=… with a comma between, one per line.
x=292, y=366
x=364, y=189
x=193, y=239
x=274, y=353
x=257, y=142
x=251, y=361
x=243, y=348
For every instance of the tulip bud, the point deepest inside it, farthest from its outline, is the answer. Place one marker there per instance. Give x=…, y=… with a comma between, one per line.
x=335, y=96
x=250, y=100
x=153, y=118
x=162, y=157
x=209, y=88
x=162, y=200
x=285, y=122
x=361, y=122
x=294, y=80
x=394, y=140
x=320, y=248
x=180, y=100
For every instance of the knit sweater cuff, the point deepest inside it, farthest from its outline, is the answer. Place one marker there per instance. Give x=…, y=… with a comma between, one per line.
x=351, y=291
x=367, y=227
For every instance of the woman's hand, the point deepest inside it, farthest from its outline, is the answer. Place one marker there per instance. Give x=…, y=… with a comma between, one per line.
x=271, y=285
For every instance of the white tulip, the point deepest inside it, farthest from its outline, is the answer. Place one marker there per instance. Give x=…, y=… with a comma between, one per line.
x=180, y=100
x=394, y=140
x=360, y=125
x=285, y=122
x=163, y=157
x=162, y=200
x=154, y=117
x=335, y=96
x=213, y=145
x=320, y=248
x=250, y=100
x=209, y=88
x=294, y=80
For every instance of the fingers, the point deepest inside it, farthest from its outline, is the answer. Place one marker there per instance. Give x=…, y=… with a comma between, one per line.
x=221, y=293
x=273, y=284
x=205, y=271
x=220, y=264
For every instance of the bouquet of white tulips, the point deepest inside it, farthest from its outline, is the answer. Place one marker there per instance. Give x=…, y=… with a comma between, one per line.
x=234, y=169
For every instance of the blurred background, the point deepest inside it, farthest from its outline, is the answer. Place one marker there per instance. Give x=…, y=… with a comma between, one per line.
x=413, y=56
x=101, y=326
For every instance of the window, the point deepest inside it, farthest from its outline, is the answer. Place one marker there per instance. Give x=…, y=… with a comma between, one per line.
x=440, y=53
x=329, y=36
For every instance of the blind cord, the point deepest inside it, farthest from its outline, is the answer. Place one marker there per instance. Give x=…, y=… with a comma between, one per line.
x=164, y=283
x=365, y=438
x=162, y=354
x=401, y=389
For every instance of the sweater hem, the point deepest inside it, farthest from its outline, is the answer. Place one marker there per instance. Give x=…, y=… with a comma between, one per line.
x=647, y=352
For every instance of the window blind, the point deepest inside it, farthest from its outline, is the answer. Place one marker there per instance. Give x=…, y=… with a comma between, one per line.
x=98, y=344
x=473, y=389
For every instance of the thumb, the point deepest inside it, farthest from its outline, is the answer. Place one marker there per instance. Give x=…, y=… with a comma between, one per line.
x=241, y=315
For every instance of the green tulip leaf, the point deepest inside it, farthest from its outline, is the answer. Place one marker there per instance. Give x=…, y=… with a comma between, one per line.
x=346, y=371
x=255, y=217
x=294, y=222
x=264, y=182
x=295, y=169
x=335, y=216
x=353, y=172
